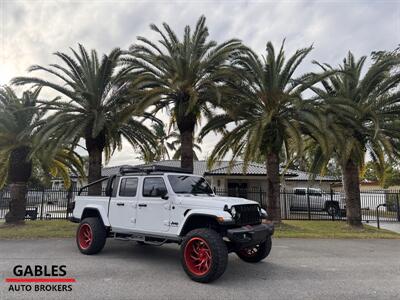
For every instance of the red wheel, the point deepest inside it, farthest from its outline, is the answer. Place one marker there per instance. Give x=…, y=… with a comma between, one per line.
x=250, y=252
x=204, y=255
x=198, y=256
x=256, y=253
x=85, y=236
x=91, y=236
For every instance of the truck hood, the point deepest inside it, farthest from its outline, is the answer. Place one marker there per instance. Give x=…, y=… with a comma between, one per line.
x=212, y=202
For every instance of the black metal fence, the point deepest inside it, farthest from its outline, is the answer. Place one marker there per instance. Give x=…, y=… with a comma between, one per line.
x=313, y=204
x=309, y=204
x=42, y=203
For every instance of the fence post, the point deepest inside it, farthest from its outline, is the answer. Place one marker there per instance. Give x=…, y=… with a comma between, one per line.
x=69, y=196
x=285, y=204
x=215, y=190
x=308, y=205
x=261, y=198
x=398, y=207
x=42, y=205
x=333, y=215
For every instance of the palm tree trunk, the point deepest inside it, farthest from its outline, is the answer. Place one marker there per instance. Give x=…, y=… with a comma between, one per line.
x=95, y=148
x=186, y=124
x=351, y=182
x=95, y=162
x=20, y=170
x=17, y=210
x=187, y=149
x=273, y=187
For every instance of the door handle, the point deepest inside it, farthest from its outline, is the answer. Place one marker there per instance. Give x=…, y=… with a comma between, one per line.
x=120, y=203
x=142, y=205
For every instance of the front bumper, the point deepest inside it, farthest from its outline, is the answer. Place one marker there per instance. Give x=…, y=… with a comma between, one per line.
x=249, y=235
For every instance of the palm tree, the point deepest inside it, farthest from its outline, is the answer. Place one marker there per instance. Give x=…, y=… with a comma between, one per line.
x=183, y=76
x=269, y=115
x=20, y=120
x=175, y=145
x=96, y=107
x=160, y=152
x=365, y=110
x=164, y=143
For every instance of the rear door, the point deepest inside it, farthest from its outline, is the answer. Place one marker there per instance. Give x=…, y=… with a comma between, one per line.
x=153, y=212
x=122, y=211
x=316, y=200
x=299, y=200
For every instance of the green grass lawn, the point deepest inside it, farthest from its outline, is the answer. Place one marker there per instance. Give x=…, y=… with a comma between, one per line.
x=39, y=229
x=288, y=229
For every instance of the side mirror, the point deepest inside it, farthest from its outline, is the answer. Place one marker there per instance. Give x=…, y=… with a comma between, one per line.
x=162, y=193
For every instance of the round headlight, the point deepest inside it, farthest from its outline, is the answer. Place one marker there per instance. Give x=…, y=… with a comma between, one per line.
x=233, y=211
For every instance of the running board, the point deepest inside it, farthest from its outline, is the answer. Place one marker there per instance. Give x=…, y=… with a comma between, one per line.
x=155, y=243
x=138, y=238
x=126, y=237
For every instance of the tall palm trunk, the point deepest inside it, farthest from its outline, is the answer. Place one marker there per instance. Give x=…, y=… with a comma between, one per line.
x=186, y=129
x=95, y=150
x=187, y=150
x=273, y=187
x=20, y=170
x=351, y=183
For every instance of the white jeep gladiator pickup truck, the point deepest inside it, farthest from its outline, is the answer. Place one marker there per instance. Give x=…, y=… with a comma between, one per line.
x=169, y=205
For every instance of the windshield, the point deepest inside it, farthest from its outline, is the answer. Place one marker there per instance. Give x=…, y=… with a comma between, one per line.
x=184, y=184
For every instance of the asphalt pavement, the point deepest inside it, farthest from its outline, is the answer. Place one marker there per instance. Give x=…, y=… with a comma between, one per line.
x=295, y=269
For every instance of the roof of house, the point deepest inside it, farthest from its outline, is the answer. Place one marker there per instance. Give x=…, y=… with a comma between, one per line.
x=223, y=168
x=304, y=176
x=109, y=171
x=237, y=168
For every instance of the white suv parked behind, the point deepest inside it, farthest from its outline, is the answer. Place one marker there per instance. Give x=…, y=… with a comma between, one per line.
x=315, y=199
x=168, y=205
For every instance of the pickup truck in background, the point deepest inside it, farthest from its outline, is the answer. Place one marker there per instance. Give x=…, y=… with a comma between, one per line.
x=302, y=199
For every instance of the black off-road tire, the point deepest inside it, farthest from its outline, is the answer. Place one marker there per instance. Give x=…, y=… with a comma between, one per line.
x=262, y=251
x=216, y=248
x=98, y=236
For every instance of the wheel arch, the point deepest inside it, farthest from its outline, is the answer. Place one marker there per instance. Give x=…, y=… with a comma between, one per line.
x=95, y=212
x=199, y=220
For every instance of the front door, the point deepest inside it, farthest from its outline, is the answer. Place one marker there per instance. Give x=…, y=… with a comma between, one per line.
x=153, y=212
x=122, y=211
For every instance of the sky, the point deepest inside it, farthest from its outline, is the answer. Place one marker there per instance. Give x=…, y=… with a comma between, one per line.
x=32, y=30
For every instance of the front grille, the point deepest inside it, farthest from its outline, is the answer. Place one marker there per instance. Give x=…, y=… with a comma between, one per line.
x=247, y=214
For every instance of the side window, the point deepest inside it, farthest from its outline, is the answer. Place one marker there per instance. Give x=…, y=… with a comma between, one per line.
x=128, y=187
x=154, y=187
x=315, y=192
x=300, y=191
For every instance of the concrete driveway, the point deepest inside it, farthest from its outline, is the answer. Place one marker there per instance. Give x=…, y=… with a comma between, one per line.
x=296, y=269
